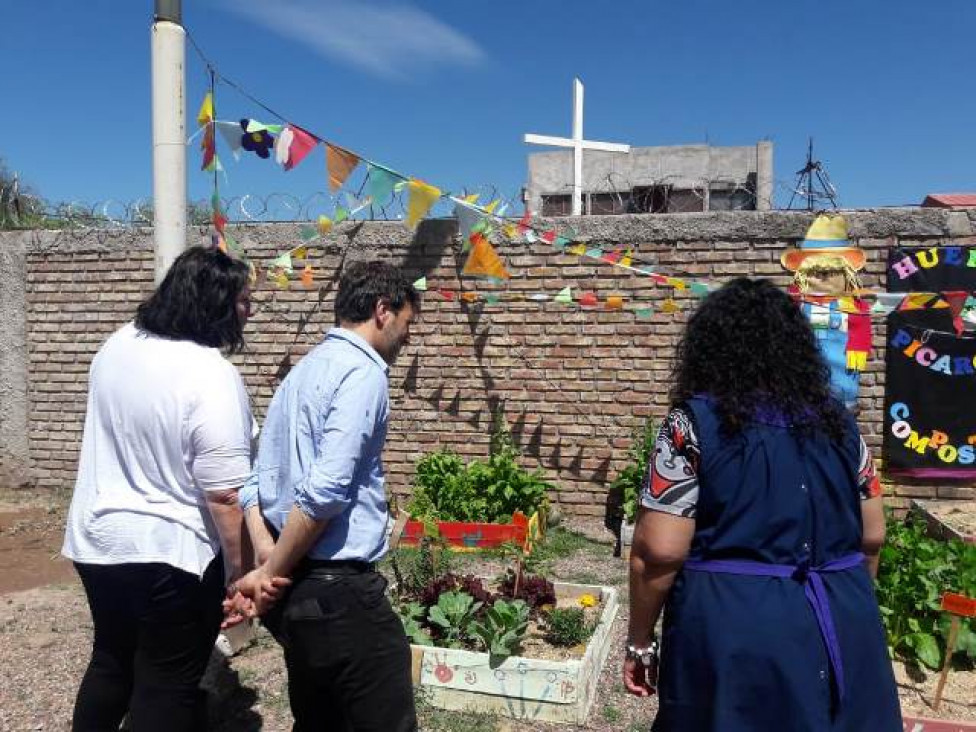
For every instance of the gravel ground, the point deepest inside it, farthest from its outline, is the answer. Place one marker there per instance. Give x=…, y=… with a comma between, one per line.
x=45, y=637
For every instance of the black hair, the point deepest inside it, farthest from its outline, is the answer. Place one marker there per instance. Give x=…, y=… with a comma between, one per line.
x=365, y=283
x=197, y=300
x=749, y=348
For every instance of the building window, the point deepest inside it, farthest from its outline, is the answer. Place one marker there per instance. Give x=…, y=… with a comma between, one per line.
x=557, y=205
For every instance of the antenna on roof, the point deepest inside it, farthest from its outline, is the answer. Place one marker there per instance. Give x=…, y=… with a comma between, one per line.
x=812, y=175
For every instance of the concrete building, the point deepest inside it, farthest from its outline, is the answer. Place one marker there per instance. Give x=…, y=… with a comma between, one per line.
x=654, y=180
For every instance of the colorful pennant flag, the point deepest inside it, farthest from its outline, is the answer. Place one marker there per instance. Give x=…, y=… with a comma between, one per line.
x=283, y=263
x=281, y=279
x=292, y=145
x=916, y=300
x=231, y=132
x=588, y=299
x=484, y=261
x=206, y=113
x=300, y=252
x=380, y=184
x=644, y=312
x=469, y=296
x=615, y=302
x=340, y=214
x=469, y=220
x=578, y=249
x=324, y=225
x=422, y=197
x=420, y=285
x=340, y=164
x=699, y=289
x=564, y=296
x=670, y=306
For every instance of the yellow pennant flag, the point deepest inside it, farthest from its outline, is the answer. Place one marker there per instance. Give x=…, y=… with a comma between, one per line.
x=490, y=208
x=300, y=253
x=340, y=164
x=577, y=249
x=615, y=302
x=484, y=261
x=206, y=113
x=670, y=306
x=324, y=225
x=468, y=296
x=916, y=300
x=281, y=279
x=422, y=197
x=627, y=259
x=471, y=197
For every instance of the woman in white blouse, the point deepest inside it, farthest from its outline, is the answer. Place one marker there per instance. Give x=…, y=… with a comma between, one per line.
x=155, y=529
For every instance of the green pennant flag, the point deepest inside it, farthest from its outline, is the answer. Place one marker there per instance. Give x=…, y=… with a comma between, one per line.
x=644, y=312
x=491, y=299
x=595, y=252
x=698, y=289
x=340, y=214
x=308, y=233
x=564, y=296
x=420, y=285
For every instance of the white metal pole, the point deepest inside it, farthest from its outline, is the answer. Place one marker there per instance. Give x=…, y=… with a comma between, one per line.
x=577, y=147
x=169, y=134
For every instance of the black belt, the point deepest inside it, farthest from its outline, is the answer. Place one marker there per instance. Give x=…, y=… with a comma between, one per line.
x=337, y=566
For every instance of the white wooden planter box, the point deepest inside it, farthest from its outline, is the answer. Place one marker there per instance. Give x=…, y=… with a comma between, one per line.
x=520, y=688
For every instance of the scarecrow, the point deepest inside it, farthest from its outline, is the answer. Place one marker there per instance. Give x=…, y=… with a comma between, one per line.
x=825, y=282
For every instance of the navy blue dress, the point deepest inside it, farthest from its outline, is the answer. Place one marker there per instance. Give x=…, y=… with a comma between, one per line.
x=745, y=652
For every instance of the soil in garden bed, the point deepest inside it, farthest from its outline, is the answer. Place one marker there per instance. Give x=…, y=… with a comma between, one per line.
x=916, y=690
x=536, y=646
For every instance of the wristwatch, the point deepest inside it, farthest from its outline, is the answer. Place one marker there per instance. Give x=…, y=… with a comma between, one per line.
x=647, y=656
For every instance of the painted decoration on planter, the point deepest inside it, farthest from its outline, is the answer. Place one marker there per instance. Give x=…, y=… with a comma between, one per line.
x=825, y=268
x=930, y=400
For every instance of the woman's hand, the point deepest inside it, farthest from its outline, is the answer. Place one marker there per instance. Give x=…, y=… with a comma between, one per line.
x=639, y=680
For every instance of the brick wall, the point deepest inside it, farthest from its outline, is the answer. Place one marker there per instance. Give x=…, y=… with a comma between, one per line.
x=573, y=384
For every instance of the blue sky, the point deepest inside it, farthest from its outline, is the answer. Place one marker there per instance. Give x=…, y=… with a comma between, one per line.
x=444, y=90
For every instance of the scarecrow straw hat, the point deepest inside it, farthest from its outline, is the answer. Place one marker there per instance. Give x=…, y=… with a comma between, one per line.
x=826, y=235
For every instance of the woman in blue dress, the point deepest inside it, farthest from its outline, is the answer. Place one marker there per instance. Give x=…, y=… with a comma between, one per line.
x=758, y=536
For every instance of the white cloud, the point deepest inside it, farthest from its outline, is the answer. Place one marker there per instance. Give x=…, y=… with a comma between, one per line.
x=385, y=40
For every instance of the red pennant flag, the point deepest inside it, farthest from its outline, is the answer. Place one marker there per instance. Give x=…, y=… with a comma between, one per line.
x=219, y=221
x=956, y=302
x=292, y=145
x=549, y=236
x=588, y=298
x=446, y=294
x=613, y=257
x=523, y=224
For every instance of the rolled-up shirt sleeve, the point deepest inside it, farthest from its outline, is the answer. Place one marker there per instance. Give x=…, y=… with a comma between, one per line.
x=355, y=413
x=248, y=495
x=220, y=434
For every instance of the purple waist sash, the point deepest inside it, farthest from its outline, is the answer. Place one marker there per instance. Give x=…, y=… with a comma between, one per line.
x=813, y=588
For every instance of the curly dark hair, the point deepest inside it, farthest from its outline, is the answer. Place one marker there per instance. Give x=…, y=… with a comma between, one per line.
x=364, y=283
x=197, y=301
x=749, y=348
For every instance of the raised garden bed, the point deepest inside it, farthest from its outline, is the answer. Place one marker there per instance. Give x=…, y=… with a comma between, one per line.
x=470, y=536
x=948, y=519
x=522, y=687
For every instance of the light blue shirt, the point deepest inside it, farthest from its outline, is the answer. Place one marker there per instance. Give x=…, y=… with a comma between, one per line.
x=321, y=448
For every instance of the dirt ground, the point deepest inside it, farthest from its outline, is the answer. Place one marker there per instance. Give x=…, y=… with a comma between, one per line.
x=45, y=637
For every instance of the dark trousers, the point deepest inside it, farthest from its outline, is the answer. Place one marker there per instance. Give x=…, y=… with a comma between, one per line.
x=155, y=627
x=348, y=658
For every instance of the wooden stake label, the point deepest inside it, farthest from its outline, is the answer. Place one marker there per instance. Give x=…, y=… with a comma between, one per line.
x=959, y=604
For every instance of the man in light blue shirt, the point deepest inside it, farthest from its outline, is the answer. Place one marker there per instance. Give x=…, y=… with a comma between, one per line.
x=315, y=507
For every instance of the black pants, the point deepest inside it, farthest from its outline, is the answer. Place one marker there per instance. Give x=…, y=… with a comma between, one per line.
x=155, y=626
x=348, y=658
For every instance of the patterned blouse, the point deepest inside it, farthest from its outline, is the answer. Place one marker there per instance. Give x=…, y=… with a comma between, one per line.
x=671, y=484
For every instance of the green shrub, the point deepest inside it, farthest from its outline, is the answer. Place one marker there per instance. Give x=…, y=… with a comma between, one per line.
x=628, y=482
x=567, y=626
x=915, y=570
x=482, y=491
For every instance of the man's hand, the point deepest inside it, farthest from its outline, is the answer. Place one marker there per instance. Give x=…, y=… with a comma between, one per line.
x=255, y=592
x=639, y=680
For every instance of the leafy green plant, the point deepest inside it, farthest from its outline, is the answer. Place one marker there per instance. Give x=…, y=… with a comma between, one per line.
x=567, y=626
x=627, y=484
x=915, y=570
x=481, y=491
x=503, y=628
x=411, y=615
x=452, y=615
x=535, y=590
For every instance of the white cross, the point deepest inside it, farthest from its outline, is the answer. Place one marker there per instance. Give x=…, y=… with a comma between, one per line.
x=578, y=144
